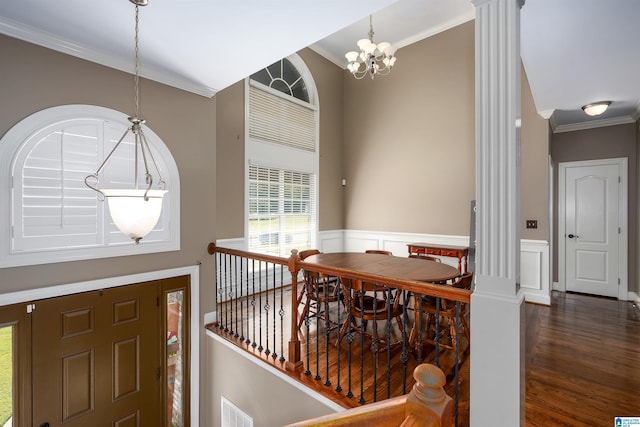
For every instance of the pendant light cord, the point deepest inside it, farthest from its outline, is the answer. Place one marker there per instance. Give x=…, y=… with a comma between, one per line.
x=136, y=64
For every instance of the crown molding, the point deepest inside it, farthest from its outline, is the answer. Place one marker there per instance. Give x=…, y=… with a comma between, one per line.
x=470, y=16
x=42, y=38
x=592, y=124
x=342, y=63
x=339, y=61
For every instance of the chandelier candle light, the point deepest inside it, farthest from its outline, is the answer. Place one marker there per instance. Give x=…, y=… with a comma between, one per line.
x=134, y=211
x=376, y=58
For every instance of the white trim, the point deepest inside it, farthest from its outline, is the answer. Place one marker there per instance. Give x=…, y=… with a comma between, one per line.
x=635, y=298
x=555, y=286
x=277, y=373
x=82, y=51
x=92, y=285
x=623, y=265
x=592, y=124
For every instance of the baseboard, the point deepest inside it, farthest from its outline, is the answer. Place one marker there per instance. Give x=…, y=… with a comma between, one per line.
x=635, y=298
x=556, y=287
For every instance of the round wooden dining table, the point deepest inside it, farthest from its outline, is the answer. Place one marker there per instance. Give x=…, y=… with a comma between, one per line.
x=388, y=266
x=413, y=269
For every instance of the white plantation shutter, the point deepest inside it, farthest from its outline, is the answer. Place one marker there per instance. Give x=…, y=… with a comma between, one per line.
x=51, y=215
x=52, y=206
x=276, y=118
x=282, y=210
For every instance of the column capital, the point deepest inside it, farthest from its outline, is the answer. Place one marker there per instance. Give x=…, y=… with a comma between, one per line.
x=478, y=3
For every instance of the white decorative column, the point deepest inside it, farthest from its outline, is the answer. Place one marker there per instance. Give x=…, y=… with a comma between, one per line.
x=497, y=305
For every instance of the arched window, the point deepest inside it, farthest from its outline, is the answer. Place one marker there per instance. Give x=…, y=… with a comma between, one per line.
x=282, y=158
x=51, y=216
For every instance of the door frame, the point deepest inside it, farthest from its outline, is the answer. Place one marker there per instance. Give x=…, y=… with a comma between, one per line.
x=92, y=285
x=623, y=254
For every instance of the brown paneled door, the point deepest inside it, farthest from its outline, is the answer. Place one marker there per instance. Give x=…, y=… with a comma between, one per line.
x=97, y=358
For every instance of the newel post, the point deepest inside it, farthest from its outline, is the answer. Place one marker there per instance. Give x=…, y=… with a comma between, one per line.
x=294, y=362
x=427, y=404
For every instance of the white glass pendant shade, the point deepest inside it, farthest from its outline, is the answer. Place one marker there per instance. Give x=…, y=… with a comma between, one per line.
x=384, y=47
x=351, y=56
x=363, y=44
x=131, y=213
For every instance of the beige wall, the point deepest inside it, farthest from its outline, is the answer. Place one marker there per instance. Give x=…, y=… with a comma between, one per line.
x=230, y=139
x=410, y=143
x=230, y=161
x=534, y=153
x=410, y=140
x=601, y=143
x=270, y=401
x=34, y=78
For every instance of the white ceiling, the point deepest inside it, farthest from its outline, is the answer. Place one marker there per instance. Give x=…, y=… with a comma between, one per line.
x=574, y=51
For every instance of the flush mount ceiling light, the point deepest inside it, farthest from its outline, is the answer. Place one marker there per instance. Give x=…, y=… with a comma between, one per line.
x=373, y=59
x=134, y=211
x=596, y=108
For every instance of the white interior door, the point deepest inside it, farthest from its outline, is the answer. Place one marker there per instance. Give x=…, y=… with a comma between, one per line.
x=592, y=226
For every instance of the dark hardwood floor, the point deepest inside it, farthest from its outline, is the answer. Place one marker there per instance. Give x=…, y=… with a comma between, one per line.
x=582, y=363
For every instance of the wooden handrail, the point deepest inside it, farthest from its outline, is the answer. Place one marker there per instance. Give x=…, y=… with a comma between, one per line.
x=427, y=405
x=295, y=264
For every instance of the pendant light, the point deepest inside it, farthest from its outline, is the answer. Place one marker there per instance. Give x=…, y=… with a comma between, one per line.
x=134, y=211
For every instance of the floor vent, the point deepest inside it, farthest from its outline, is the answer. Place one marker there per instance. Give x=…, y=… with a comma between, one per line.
x=232, y=416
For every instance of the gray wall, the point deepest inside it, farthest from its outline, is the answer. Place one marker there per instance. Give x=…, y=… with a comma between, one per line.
x=601, y=143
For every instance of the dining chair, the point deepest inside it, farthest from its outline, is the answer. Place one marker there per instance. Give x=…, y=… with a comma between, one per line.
x=317, y=292
x=370, y=302
x=446, y=311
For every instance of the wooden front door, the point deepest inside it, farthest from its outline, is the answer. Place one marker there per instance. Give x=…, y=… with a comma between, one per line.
x=97, y=358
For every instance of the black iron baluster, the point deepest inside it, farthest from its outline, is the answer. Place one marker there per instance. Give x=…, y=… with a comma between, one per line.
x=235, y=293
x=242, y=260
x=260, y=348
x=267, y=308
x=420, y=326
x=375, y=343
x=307, y=322
x=340, y=301
x=253, y=300
x=457, y=359
x=226, y=291
x=282, y=359
x=389, y=303
x=247, y=301
x=404, y=357
x=327, y=329
x=317, y=377
x=361, y=400
x=275, y=303
x=349, y=336
x=218, y=289
x=437, y=338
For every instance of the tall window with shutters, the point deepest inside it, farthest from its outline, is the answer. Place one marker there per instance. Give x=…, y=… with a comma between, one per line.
x=51, y=215
x=282, y=158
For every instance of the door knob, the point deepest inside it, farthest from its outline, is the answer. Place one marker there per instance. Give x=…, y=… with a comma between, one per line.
x=571, y=236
